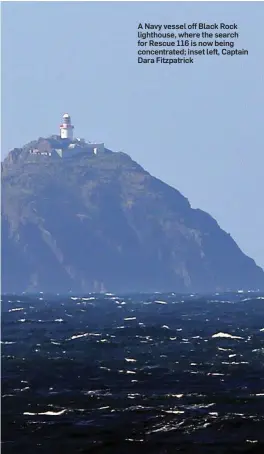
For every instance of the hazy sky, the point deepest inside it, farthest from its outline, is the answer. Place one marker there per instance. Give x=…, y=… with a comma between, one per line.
x=197, y=127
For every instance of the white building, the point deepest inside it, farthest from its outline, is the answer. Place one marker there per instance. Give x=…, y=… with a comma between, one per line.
x=76, y=145
x=66, y=128
x=95, y=147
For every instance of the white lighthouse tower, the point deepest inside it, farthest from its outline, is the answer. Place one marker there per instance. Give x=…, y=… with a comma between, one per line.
x=66, y=128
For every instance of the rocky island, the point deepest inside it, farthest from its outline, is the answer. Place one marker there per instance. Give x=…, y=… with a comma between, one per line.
x=92, y=220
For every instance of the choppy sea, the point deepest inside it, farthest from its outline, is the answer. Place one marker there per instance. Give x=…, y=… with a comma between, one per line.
x=159, y=373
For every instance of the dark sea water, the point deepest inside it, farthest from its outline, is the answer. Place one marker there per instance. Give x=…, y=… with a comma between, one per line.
x=133, y=374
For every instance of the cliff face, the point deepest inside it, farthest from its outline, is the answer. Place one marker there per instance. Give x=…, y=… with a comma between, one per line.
x=102, y=223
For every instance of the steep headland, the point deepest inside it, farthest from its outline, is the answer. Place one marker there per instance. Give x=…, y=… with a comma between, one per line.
x=102, y=223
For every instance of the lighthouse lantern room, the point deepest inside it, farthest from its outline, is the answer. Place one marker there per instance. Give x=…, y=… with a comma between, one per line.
x=66, y=128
